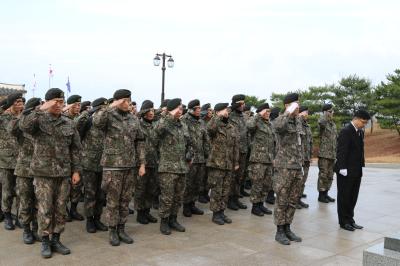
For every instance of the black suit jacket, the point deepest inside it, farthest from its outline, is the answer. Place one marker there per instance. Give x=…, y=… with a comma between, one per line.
x=350, y=151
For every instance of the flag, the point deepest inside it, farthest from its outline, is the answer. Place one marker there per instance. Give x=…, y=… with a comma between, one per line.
x=51, y=72
x=68, y=84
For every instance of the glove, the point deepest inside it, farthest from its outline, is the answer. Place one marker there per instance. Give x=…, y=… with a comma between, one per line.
x=343, y=172
x=292, y=107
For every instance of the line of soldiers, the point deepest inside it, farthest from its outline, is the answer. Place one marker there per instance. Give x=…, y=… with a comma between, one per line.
x=161, y=158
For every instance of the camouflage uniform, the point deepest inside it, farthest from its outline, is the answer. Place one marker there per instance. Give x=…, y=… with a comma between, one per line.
x=288, y=168
x=203, y=187
x=223, y=157
x=123, y=149
x=174, y=145
x=307, y=142
x=327, y=152
x=261, y=157
x=56, y=155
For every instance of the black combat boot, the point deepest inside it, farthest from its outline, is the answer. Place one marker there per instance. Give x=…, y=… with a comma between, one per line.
x=232, y=204
x=164, y=226
x=329, y=198
x=264, y=209
x=45, y=249
x=303, y=204
x=90, y=227
x=290, y=235
x=194, y=210
x=123, y=236
x=247, y=184
x=68, y=219
x=57, y=246
x=113, y=236
x=74, y=213
x=173, y=223
x=322, y=197
x=35, y=230
x=243, y=192
x=99, y=225
x=27, y=235
x=8, y=221
x=239, y=203
x=256, y=210
x=150, y=217
x=280, y=235
x=141, y=217
x=227, y=220
x=270, y=197
x=217, y=218
x=186, y=210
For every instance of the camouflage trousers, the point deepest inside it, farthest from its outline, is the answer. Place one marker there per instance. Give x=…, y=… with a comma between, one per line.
x=260, y=175
x=219, y=182
x=172, y=187
x=193, y=179
x=287, y=186
x=118, y=186
x=8, y=181
x=76, y=192
x=306, y=169
x=325, y=175
x=239, y=175
x=27, y=200
x=203, y=186
x=94, y=195
x=145, y=189
x=51, y=194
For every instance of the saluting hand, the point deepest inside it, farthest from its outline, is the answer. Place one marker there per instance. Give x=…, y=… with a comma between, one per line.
x=116, y=103
x=47, y=105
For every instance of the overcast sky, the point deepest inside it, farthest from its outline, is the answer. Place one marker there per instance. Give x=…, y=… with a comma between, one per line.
x=220, y=47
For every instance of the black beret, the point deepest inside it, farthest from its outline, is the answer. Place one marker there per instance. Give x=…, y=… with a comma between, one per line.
x=74, y=99
x=173, y=104
x=220, y=106
x=85, y=105
x=205, y=107
x=99, y=101
x=164, y=103
x=193, y=103
x=327, y=107
x=3, y=102
x=133, y=103
x=146, y=105
x=32, y=103
x=238, y=97
x=110, y=100
x=362, y=114
x=290, y=97
x=274, y=113
x=262, y=107
x=120, y=94
x=12, y=98
x=303, y=108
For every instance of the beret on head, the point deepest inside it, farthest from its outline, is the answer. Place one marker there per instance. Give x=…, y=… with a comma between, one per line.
x=173, y=104
x=164, y=103
x=303, y=108
x=146, y=105
x=274, y=113
x=220, y=106
x=12, y=98
x=290, y=97
x=32, y=103
x=121, y=94
x=362, y=114
x=237, y=98
x=262, y=107
x=53, y=94
x=85, y=105
x=194, y=103
x=99, y=101
x=205, y=107
x=327, y=107
x=74, y=99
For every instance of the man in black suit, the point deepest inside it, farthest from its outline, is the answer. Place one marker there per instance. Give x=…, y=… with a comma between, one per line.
x=349, y=164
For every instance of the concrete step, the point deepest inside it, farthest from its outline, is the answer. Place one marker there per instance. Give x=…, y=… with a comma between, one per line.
x=393, y=242
x=377, y=255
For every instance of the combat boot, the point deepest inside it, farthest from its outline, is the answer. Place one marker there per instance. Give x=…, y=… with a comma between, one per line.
x=186, y=210
x=113, y=236
x=8, y=222
x=164, y=226
x=57, y=246
x=90, y=227
x=240, y=204
x=270, y=197
x=290, y=235
x=150, y=217
x=27, y=235
x=227, y=220
x=217, y=218
x=45, y=249
x=123, y=236
x=243, y=192
x=99, y=225
x=256, y=210
x=329, y=198
x=141, y=217
x=280, y=235
x=74, y=213
x=173, y=223
x=303, y=204
x=232, y=204
x=322, y=197
x=247, y=184
x=194, y=210
x=264, y=209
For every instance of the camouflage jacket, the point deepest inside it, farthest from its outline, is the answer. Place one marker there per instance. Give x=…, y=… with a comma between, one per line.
x=237, y=119
x=151, y=143
x=224, y=144
x=262, y=140
x=124, y=142
x=8, y=143
x=290, y=150
x=327, y=138
x=198, y=138
x=276, y=138
x=56, y=144
x=306, y=140
x=173, y=146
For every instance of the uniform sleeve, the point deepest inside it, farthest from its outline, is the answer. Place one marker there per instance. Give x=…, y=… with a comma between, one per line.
x=29, y=123
x=101, y=119
x=281, y=123
x=81, y=121
x=189, y=143
x=251, y=126
x=13, y=128
x=140, y=146
x=322, y=122
x=343, y=146
x=236, y=151
x=76, y=155
x=212, y=127
x=206, y=143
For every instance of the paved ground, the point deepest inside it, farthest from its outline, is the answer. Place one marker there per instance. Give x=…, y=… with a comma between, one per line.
x=248, y=241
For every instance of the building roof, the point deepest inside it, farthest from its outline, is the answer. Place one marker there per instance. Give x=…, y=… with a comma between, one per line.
x=7, y=89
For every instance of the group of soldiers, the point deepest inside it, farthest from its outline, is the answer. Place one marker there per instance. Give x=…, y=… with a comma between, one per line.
x=53, y=152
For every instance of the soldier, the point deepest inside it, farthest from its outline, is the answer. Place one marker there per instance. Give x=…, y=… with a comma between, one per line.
x=174, y=150
x=2, y=105
x=237, y=119
x=56, y=159
x=274, y=114
x=146, y=186
x=85, y=106
x=261, y=158
x=222, y=161
x=123, y=150
x=288, y=169
x=8, y=156
x=133, y=108
x=72, y=111
x=197, y=170
x=327, y=153
x=92, y=148
x=162, y=111
x=307, y=142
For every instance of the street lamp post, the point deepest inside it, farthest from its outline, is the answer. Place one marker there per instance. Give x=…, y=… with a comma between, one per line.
x=170, y=63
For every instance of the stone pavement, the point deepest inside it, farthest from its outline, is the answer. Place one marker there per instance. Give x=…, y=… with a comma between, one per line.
x=249, y=240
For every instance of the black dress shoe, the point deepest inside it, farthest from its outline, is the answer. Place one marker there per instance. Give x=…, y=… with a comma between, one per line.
x=348, y=227
x=356, y=226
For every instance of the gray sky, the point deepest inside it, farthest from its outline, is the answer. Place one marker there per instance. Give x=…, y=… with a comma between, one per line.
x=220, y=47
